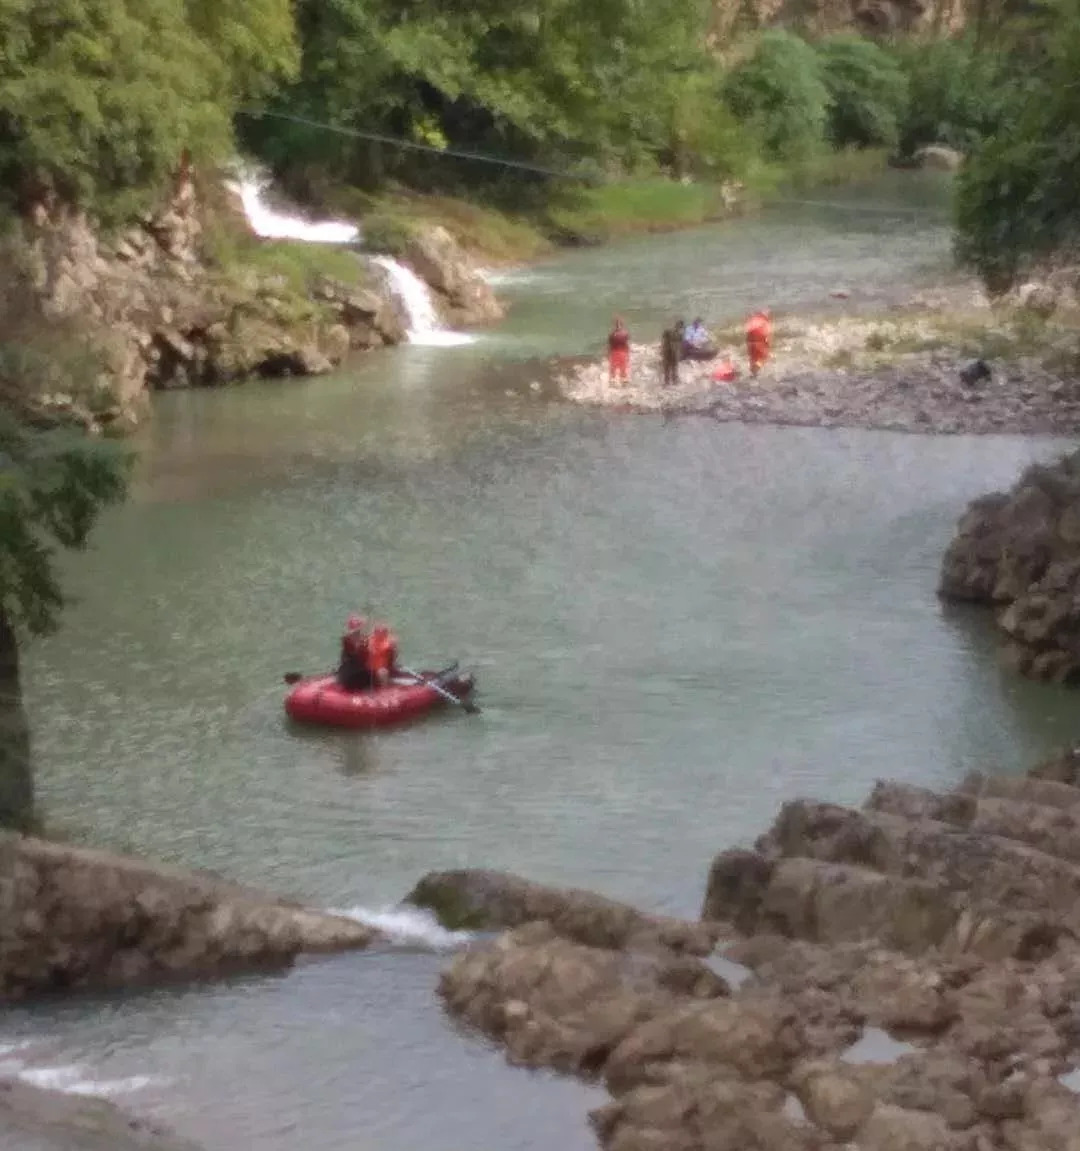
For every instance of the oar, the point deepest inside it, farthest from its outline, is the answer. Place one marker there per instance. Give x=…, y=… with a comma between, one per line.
x=469, y=707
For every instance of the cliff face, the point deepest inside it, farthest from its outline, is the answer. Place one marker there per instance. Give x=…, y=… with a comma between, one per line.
x=827, y=17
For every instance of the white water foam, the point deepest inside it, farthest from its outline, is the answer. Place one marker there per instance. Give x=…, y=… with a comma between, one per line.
x=274, y=225
x=408, y=926
x=424, y=326
x=74, y=1080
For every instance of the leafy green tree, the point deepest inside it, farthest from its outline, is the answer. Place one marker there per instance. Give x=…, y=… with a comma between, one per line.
x=867, y=93
x=54, y=482
x=99, y=98
x=780, y=93
x=956, y=96
x=550, y=82
x=1016, y=199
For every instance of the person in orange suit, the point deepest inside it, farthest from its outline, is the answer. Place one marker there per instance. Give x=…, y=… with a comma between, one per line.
x=758, y=339
x=618, y=343
x=382, y=654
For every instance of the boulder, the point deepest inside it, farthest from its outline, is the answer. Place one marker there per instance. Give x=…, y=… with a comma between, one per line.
x=486, y=899
x=465, y=296
x=938, y=157
x=986, y=868
x=77, y=918
x=554, y=1003
x=1020, y=551
x=1023, y=789
x=698, y=1111
x=758, y=1037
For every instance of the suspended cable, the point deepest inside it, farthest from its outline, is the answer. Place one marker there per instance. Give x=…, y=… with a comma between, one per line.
x=397, y=141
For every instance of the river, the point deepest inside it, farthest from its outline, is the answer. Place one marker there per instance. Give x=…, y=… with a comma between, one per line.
x=676, y=625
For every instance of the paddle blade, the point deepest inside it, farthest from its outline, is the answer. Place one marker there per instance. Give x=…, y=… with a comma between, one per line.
x=293, y=677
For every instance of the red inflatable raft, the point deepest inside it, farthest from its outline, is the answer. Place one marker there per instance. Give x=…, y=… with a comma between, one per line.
x=322, y=700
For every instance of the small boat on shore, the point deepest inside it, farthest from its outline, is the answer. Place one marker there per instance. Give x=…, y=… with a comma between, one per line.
x=323, y=701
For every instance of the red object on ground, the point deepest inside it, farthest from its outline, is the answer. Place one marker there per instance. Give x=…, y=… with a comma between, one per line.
x=725, y=371
x=322, y=700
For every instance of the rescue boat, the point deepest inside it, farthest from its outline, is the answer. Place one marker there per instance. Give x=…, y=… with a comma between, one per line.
x=322, y=700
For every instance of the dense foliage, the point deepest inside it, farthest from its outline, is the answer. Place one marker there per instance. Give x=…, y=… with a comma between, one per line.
x=867, y=93
x=1016, y=200
x=780, y=92
x=99, y=98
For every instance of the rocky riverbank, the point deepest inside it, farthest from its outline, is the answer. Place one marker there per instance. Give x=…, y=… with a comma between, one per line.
x=900, y=977
x=73, y=918
x=188, y=296
x=905, y=370
x=1018, y=552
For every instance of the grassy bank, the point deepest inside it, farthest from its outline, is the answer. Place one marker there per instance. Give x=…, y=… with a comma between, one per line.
x=577, y=215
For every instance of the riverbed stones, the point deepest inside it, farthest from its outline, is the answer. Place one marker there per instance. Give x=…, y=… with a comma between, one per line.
x=898, y=372
x=74, y=918
x=947, y=920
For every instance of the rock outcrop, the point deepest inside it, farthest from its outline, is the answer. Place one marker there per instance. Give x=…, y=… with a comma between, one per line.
x=947, y=921
x=463, y=296
x=76, y=1123
x=1019, y=552
x=73, y=918
x=160, y=314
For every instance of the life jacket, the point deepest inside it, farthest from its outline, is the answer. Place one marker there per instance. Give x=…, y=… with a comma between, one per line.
x=381, y=650
x=618, y=340
x=759, y=328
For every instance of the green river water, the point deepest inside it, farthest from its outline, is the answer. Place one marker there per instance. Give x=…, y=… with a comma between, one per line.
x=676, y=624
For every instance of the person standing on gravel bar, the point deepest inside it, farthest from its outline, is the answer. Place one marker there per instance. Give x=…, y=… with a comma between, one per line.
x=618, y=352
x=758, y=339
x=671, y=341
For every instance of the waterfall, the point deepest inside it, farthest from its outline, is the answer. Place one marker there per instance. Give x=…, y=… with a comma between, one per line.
x=273, y=224
x=415, y=296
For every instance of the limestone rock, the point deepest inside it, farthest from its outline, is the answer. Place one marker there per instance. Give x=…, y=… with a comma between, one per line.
x=465, y=295
x=938, y=157
x=476, y=898
x=75, y=918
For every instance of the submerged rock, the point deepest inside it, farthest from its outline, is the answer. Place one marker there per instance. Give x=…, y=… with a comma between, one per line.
x=76, y=1123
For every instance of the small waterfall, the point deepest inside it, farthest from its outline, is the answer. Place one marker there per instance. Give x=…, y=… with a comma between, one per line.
x=273, y=224
x=415, y=296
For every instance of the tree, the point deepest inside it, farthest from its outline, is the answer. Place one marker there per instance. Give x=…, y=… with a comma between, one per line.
x=54, y=482
x=1016, y=197
x=779, y=92
x=956, y=96
x=867, y=93
x=99, y=98
x=548, y=82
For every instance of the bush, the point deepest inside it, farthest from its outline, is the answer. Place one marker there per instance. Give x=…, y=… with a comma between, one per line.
x=867, y=93
x=955, y=96
x=386, y=235
x=1016, y=197
x=780, y=94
